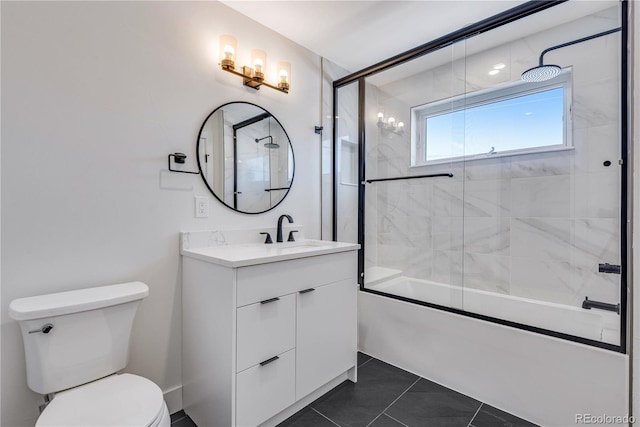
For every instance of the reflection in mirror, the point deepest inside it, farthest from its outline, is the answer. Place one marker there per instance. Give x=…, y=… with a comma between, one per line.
x=245, y=157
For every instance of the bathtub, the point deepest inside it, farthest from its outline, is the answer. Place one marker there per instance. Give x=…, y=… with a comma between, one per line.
x=541, y=378
x=592, y=324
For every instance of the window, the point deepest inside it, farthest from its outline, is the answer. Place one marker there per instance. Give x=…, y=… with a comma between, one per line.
x=513, y=119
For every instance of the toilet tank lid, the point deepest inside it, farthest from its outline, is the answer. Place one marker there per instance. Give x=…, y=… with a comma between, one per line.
x=61, y=303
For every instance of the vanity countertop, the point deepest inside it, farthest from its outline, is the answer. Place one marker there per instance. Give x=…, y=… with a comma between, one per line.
x=245, y=254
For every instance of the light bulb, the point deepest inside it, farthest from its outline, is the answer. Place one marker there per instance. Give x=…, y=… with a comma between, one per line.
x=257, y=65
x=284, y=73
x=228, y=47
x=228, y=52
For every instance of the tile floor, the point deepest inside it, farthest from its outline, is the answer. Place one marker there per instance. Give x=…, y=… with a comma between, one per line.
x=386, y=396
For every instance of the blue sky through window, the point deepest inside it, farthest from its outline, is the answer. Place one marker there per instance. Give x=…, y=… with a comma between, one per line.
x=532, y=120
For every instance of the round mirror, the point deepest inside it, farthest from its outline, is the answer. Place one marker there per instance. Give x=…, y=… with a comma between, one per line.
x=245, y=157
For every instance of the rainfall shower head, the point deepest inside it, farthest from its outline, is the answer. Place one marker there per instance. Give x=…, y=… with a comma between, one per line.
x=541, y=73
x=544, y=72
x=271, y=145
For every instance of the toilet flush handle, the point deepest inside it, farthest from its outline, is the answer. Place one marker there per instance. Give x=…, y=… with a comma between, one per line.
x=45, y=329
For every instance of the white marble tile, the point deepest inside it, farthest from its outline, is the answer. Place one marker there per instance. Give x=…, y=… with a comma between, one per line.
x=596, y=240
x=542, y=238
x=604, y=195
x=597, y=104
x=402, y=229
x=491, y=169
x=420, y=197
x=447, y=267
x=448, y=234
x=543, y=164
x=487, y=198
x=545, y=196
x=594, y=146
x=606, y=49
x=413, y=262
x=596, y=195
x=487, y=272
x=448, y=199
x=545, y=280
x=487, y=235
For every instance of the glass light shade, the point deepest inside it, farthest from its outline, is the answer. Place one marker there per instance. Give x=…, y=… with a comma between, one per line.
x=391, y=122
x=284, y=75
x=228, y=48
x=400, y=126
x=258, y=63
x=380, y=117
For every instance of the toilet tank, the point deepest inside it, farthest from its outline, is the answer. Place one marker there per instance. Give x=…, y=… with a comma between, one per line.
x=89, y=338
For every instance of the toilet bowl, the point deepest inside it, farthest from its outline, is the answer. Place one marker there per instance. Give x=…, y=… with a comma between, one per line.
x=75, y=344
x=118, y=400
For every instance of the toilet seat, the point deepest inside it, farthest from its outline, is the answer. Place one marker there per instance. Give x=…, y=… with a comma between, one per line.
x=117, y=400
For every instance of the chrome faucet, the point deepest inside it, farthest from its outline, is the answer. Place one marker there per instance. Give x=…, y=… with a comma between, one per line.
x=279, y=233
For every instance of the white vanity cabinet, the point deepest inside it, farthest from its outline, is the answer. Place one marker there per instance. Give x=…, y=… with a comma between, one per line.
x=263, y=338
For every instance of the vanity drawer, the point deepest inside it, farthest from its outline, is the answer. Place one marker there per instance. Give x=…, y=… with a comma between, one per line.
x=265, y=329
x=264, y=390
x=259, y=282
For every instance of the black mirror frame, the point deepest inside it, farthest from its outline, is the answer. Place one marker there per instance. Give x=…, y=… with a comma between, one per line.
x=293, y=175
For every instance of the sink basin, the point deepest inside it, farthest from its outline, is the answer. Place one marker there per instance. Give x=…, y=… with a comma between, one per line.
x=244, y=254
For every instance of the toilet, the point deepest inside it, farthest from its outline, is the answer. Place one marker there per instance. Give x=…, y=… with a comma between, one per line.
x=75, y=343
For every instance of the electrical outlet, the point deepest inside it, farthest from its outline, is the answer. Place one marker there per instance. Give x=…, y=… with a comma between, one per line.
x=202, y=207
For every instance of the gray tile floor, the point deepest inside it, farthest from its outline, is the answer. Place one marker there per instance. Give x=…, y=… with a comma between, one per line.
x=386, y=396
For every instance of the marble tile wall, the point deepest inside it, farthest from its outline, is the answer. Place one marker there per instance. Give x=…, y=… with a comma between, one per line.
x=534, y=225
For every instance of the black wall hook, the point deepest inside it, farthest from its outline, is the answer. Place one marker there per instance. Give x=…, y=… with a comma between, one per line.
x=178, y=158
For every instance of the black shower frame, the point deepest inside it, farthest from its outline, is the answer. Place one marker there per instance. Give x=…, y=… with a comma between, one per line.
x=485, y=25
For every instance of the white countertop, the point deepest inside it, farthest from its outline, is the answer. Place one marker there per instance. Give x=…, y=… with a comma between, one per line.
x=244, y=254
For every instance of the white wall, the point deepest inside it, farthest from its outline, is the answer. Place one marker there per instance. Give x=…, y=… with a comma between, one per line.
x=95, y=96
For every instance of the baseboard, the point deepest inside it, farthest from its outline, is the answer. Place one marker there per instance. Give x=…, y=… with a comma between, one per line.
x=173, y=398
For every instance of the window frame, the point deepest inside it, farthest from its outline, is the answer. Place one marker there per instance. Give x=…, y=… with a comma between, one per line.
x=420, y=113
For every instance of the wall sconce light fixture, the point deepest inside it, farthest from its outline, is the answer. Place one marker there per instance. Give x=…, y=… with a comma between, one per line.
x=252, y=76
x=389, y=126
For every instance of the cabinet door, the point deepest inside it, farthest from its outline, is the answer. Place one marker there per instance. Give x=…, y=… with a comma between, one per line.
x=326, y=334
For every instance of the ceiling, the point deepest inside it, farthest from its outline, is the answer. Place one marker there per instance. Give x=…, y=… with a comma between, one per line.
x=357, y=34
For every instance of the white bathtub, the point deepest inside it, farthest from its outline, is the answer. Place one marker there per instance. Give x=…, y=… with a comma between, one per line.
x=591, y=324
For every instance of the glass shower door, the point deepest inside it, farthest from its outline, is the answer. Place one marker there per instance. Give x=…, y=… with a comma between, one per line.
x=414, y=207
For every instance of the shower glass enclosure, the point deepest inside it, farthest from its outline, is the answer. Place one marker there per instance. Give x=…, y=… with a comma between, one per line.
x=476, y=192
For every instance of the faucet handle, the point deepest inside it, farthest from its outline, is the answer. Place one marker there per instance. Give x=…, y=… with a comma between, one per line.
x=291, y=239
x=268, y=239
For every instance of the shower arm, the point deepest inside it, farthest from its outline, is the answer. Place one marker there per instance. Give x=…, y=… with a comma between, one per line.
x=584, y=39
x=265, y=137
